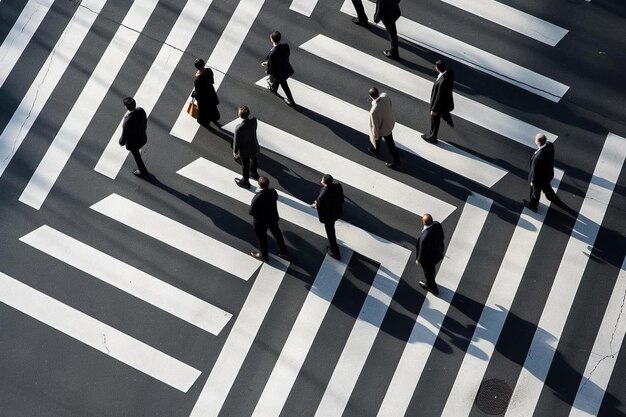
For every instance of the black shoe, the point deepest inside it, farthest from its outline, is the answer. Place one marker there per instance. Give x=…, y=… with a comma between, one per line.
x=240, y=182
x=139, y=174
x=529, y=207
x=289, y=102
x=393, y=165
x=373, y=152
x=425, y=286
x=332, y=254
x=258, y=255
x=360, y=22
x=391, y=54
x=429, y=139
x=283, y=254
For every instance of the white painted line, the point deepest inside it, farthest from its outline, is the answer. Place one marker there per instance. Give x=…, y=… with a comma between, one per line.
x=96, y=334
x=301, y=336
x=156, y=79
x=568, y=277
x=304, y=7
x=178, y=235
x=497, y=306
x=435, y=308
x=471, y=56
x=220, y=179
x=444, y=154
x=420, y=88
x=240, y=339
x=20, y=35
x=86, y=105
x=46, y=80
x=221, y=58
x=128, y=278
x=347, y=171
x=603, y=354
x=513, y=19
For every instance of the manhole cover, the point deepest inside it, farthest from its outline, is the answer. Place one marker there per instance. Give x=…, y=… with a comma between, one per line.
x=493, y=396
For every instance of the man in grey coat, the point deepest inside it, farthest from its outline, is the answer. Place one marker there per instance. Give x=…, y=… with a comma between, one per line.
x=381, y=123
x=246, y=147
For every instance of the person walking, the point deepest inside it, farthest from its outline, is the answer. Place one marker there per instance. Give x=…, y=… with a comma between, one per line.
x=541, y=173
x=429, y=251
x=381, y=123
x=264, y=212
x=329, y=205
x=387, y=11
x=205, y=95
x=246, y=147
x=134, y=134
x=441, y=101
x=278, y=67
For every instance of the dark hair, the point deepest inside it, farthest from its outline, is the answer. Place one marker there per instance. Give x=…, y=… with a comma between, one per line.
x=263, y=183
x=327, y=179
x=275, y=36
x=373, y=92
x=441, y=65
x=199, y=64
x=129, y=103
x=243, y=111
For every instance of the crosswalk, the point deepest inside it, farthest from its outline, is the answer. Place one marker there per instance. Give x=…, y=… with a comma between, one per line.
x=234, y=329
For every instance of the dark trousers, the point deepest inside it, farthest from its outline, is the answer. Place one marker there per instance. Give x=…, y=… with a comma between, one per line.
x=429, y=274
x=249, y=166
x=261, y=233
x=140, y=165
x=390, y=25
x=360, y=11
x=391, y=145
x=435, y=121
x=332, y=237
x=275, y=82
x=535, y=194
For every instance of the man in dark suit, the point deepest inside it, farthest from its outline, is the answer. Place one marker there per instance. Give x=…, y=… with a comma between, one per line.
x=246, y=147
x=329, y=205
x=389, y=11
x=134, y=134
x=441, y=101
x=264, y=212
x=429, y=251
x=541, y=173
x=278, y=67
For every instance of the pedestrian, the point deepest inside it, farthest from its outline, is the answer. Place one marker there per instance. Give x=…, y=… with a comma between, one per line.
x=329, y=205
x=381, y=123
x=278, y=67
x=441, y=101
x=205, y=95
x=264, y=212
x=429, y=251
x=246, y=147
x=541, y=173
x=134, y=134
x=387, y=11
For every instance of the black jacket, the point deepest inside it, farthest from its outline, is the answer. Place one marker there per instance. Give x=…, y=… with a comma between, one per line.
x=330, y=203
x=245, y=141
x=278, y=62
x=203, y=88
x=387, y=10
x=441, y=100
x=263, y=208
x=134, y=129
x=542, y=165
x=429, y=247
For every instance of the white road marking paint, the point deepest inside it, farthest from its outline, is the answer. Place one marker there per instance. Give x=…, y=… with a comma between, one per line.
x=304, y=7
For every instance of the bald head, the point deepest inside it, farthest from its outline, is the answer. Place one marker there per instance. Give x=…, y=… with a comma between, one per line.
x=427, y=219
x=540, y=139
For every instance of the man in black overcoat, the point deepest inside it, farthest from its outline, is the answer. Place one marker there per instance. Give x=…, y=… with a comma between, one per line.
x=278, y=67
x=541, y=173
x=264, y=212
x=134, y=134
x=329, y=205
x=441, y=101
x=429, y=251
x=246, y=147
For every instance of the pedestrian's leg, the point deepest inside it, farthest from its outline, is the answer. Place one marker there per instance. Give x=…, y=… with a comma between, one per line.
x=140, y=165
x=429, y=273
x=254, y=167
x=260, y=229
x=550, y=194
x=287, y=90
x=360, y=11
x=245, y=170
x=447, y=117
x=392, y=148
x=390, y=25
x=332, y=238
x=434, y=126
x=278, y=235
x=535, y=193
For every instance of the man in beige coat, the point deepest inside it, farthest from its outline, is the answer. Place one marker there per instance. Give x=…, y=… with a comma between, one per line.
x=381, y=125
